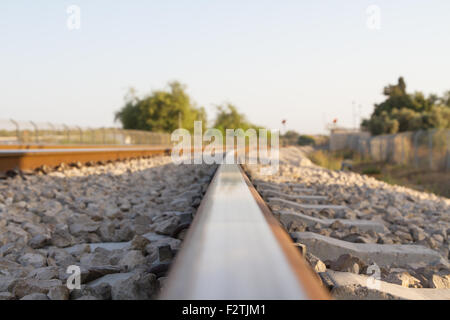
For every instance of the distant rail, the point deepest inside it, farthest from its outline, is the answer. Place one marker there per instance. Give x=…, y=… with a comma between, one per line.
x=32, y=158
x=236, y=249
x=74, y=146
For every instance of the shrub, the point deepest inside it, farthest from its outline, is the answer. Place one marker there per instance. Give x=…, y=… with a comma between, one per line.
x=305, y=140
x=371, y=170
x=326, y=160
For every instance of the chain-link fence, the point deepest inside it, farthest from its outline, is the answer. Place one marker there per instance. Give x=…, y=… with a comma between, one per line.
x=28, y=132
x=426, y=149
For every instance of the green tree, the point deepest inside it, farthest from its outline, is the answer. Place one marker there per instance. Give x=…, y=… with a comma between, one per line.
x=228, y=117
x=161, y=111
x=439, y=117
x=305, y=140
x=445, y=100
x=290, y=137
x=402, y=111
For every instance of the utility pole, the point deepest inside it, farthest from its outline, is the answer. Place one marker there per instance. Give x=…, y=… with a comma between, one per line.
x=360, y=115
x=354, y=115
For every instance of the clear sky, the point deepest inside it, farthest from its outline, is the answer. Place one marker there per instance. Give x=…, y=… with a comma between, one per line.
x=304, y=61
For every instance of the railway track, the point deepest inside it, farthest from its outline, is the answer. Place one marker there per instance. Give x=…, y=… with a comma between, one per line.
x=366, y=239
x=236, y=250
x=146, y=228
x=34, y=156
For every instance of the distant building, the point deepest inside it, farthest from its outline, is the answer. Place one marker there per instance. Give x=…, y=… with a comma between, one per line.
x=344, y=138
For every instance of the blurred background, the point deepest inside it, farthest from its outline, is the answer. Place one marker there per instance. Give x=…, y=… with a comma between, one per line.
x=364, y=82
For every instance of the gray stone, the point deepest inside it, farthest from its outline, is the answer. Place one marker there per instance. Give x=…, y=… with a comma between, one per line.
x=61, y=257
x=83, y=226
x=95, y=259
x=358, y=292
x=404, y=236
x=6, y=296
x=38, y=241
x=160, y=268
x=6, y=249
x=25, y=287
x=162, y=281
x=136, y=287
x=113, y=212
x=96, y=272
x=125, y=233
x=291, y=204
x=79, y=249
x=343, y=279
x=7, y=283
x=59, y=293
x=107, y=231
x=440, y=282
x=438, y=238
x=159, y=240
x=110, y=245
x=165, y=253
x=33, y=259
x=139, y=243
x=132, y=259
x=316, y=263
x=168, y=226
x=403, y=279
x=327, y=248
x=87, y=298
x=45, y=273
x=35, y=296
x=418, y=234
x=358, y=238
x=273, y=193
x=110, y=279
x=62, y=238
x=101, y=291
x=181, y=203
x=336, y=224
x=348, y=263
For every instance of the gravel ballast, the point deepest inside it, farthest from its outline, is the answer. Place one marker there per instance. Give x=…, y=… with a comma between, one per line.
x=122, y=223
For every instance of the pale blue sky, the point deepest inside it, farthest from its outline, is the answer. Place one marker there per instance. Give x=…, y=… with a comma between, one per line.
x=305, y=61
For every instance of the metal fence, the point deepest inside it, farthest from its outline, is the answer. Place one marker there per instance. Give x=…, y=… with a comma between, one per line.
x=426, y=149
x=29, y=132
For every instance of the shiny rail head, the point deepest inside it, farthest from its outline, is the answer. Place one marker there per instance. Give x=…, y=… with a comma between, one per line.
x=231, y=251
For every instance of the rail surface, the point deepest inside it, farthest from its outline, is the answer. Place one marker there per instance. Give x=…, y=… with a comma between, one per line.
x=235, y=249
x=74, y=146
x=29, y=159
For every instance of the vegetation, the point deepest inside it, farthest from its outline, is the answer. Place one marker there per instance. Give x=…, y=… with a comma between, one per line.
x=403, y=175
x=292, y=137
x=161, y=111
x=305, y=140
x=167, y=110
x=403, y=111
x=228, y=117
x=326, y=159
x=371, y=171
x=289, y=138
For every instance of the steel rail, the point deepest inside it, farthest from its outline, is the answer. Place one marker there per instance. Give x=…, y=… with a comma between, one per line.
x=236, y=249
x=74, y=146
x=29, y=159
